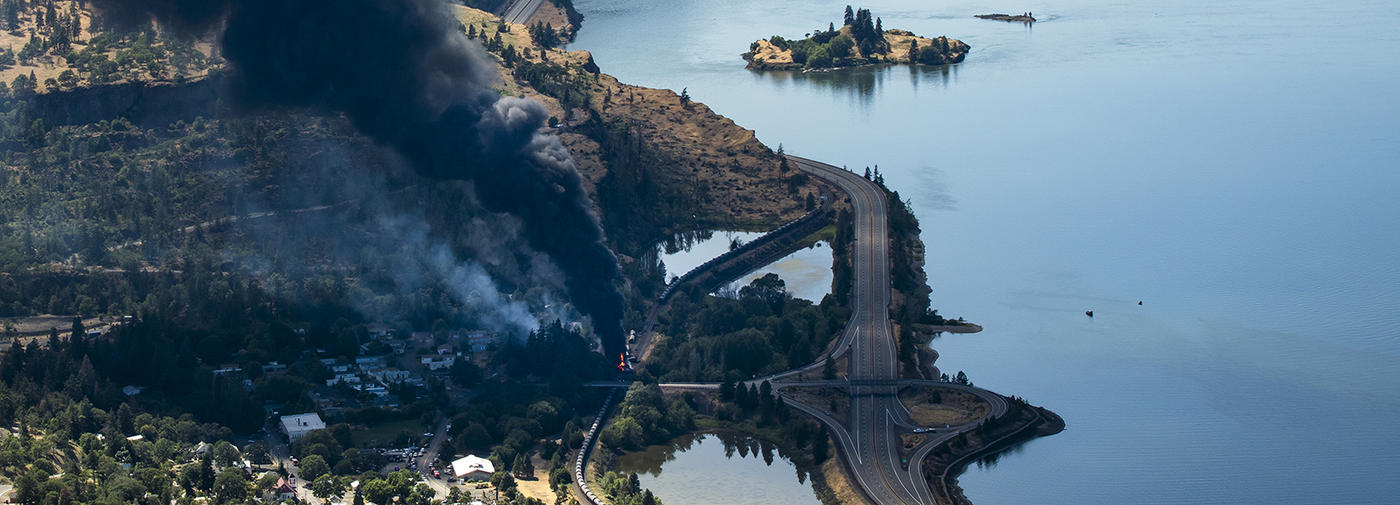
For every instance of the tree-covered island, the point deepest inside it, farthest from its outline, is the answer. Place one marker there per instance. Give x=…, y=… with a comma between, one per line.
x=861, y=40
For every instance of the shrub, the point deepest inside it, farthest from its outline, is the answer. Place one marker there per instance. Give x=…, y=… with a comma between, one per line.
x=819, y=58
x=840, y=46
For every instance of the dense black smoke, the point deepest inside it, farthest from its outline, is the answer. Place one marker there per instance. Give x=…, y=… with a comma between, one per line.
x=406, y=76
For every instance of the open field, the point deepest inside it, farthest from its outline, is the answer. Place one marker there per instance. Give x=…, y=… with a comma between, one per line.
x=936, y=407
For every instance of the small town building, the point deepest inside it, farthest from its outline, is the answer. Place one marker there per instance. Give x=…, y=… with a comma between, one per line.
x=343, y=378
x=390, y=375
x=480, y=340
x=299, y=425
x=438, y=362
x=473, y=468
x=284, y=490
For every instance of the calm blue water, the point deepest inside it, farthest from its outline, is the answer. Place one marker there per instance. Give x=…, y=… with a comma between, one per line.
x=1232, y=164
x=723, y=468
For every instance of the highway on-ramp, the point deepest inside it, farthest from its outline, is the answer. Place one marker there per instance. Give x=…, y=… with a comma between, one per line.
x=870, y=440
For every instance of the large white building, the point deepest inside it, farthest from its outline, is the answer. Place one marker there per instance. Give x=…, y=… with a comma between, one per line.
x=474, y=468
x=299, y=425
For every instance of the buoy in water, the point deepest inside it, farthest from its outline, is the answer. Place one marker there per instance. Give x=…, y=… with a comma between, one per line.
x=1089, y=313
x=1139, y=302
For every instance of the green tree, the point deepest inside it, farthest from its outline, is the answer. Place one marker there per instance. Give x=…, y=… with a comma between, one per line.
x=327, y=486
x=840, y=46
x=524, y=468
x=231, y=486
x=313, y=467
x=829, y=369
x=225, y=454
x=819, y=58
x=623, y=433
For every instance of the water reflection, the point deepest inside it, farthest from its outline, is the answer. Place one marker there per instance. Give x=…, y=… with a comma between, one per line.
x=685, y=241
x=862, y=84
x=807, y=271
x=754, y=471
x=989, y=461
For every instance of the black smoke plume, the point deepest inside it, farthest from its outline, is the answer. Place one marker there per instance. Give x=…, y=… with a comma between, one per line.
x=406, y=76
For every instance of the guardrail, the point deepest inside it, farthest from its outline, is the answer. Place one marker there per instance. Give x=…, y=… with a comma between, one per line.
x=581, y=461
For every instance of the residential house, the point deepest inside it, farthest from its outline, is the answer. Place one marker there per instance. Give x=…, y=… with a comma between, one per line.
x=480, y=340
x=390, y=375
x=438, y=362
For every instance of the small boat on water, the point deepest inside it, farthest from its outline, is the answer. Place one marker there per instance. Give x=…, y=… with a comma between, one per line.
x=1089, y=313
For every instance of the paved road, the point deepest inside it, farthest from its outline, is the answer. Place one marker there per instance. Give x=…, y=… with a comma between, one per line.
x=430, y=456
x=870, y=440
x=519, y=11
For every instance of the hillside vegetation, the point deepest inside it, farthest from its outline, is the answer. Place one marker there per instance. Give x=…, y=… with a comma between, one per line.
x=859, y=41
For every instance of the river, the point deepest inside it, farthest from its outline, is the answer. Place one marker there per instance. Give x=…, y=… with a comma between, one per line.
x=1231, y=164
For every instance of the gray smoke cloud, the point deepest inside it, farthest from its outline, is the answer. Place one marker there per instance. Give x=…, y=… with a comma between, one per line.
x=404, y=75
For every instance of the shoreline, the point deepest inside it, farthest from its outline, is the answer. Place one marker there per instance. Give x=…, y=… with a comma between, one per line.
x=820, y=475
x=1046, y=423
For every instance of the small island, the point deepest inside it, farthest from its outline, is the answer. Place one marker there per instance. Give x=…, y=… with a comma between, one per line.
x=1019, y=18
x=861, y=40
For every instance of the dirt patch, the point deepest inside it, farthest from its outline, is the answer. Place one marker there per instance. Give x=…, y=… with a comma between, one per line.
x=934, y=406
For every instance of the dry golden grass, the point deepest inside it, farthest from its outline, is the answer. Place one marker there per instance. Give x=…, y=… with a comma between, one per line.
x=767, y=56
x=50, y=66
x=931, y=406
x=539, y=487
x=835, y=401
x=841, y=483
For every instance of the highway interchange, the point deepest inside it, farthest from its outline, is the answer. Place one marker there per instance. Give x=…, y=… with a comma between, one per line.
x=869, y=441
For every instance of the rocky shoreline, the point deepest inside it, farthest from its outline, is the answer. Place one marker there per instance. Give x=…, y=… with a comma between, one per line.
x=860, y=40
x=766, y=55
x=1019, y=18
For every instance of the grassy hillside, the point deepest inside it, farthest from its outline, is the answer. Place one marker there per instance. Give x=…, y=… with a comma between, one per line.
x=64, y=44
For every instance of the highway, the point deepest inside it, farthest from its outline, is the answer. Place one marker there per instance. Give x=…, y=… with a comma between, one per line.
x=870, y=441
x=519, y=11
